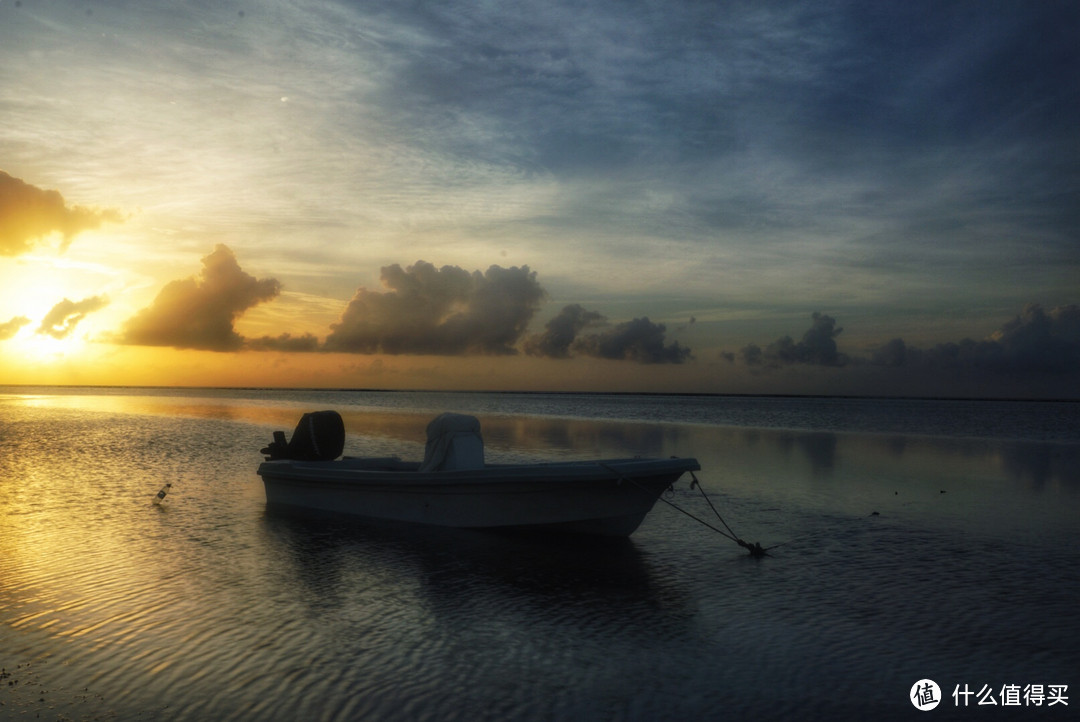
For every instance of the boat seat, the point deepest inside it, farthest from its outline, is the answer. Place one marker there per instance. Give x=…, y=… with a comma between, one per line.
x=453, y=444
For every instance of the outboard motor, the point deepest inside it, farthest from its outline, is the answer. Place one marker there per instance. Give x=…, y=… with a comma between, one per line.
x=320, y=436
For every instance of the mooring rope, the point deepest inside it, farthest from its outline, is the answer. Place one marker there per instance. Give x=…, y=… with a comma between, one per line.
x=755, y=549
x=697, y=484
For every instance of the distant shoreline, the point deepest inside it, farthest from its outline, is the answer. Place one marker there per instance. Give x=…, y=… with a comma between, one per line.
x=659, y=394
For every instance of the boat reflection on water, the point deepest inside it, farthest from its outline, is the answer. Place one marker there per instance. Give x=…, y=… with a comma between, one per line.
x=438, y=572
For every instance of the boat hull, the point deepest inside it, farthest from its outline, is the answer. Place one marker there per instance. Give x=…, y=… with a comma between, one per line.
x=609, y=497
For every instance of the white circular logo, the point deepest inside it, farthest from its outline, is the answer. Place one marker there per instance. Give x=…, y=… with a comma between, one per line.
x=925, y=695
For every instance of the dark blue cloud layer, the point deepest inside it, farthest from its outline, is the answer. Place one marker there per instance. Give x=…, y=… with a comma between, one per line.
x=910, y=141
x=842, y=86
x=1036, y=344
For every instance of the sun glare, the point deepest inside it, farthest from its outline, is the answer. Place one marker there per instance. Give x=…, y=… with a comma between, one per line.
x=41, y=348
x=31, y=291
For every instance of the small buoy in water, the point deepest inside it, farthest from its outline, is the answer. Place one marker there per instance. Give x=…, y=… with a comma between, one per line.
x=874, y=513
x=161, y=494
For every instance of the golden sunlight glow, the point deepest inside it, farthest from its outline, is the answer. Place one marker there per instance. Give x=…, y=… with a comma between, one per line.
x=31, y=287
x=27, y=289
x=39, y=348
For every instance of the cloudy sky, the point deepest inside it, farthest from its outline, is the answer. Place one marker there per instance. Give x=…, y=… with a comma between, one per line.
x=827, y=197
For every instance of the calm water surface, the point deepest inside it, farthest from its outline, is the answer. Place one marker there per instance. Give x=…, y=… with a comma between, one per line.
x=209, y=608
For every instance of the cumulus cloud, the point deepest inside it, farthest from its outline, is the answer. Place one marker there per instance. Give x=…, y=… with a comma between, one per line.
x=752, y=355
x=1035, y=344
x=9, y=329
x=638, y=340
x=893, y=354
x=1035, y=341
x=1040, y=340
x=817, y=347
x=62, y=318
x=439, y=311
x=561, y=331
x=29, y=214
x=199, y=312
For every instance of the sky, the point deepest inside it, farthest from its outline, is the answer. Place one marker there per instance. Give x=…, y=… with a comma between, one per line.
x=699, y=197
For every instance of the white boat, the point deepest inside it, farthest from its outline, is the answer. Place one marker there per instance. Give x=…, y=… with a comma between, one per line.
x=454, y=487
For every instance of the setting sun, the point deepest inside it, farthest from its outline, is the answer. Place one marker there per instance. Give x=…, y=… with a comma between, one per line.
x=30, y=287
x=54, y=297
x=36, y=348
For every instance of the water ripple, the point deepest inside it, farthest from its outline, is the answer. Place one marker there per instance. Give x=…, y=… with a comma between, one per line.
x=210, y=608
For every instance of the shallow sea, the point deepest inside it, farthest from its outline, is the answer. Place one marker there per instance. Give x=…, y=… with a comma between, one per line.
x=207, y=607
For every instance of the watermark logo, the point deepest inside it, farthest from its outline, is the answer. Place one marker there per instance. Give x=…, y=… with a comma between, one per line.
x=925, y=695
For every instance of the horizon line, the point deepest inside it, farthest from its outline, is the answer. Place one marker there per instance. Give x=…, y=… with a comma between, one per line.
x=711, y=394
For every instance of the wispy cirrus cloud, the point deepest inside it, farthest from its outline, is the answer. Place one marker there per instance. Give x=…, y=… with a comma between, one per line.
x=837, y=136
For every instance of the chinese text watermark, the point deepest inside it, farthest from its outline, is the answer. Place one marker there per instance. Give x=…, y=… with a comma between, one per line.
x=925, y=695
